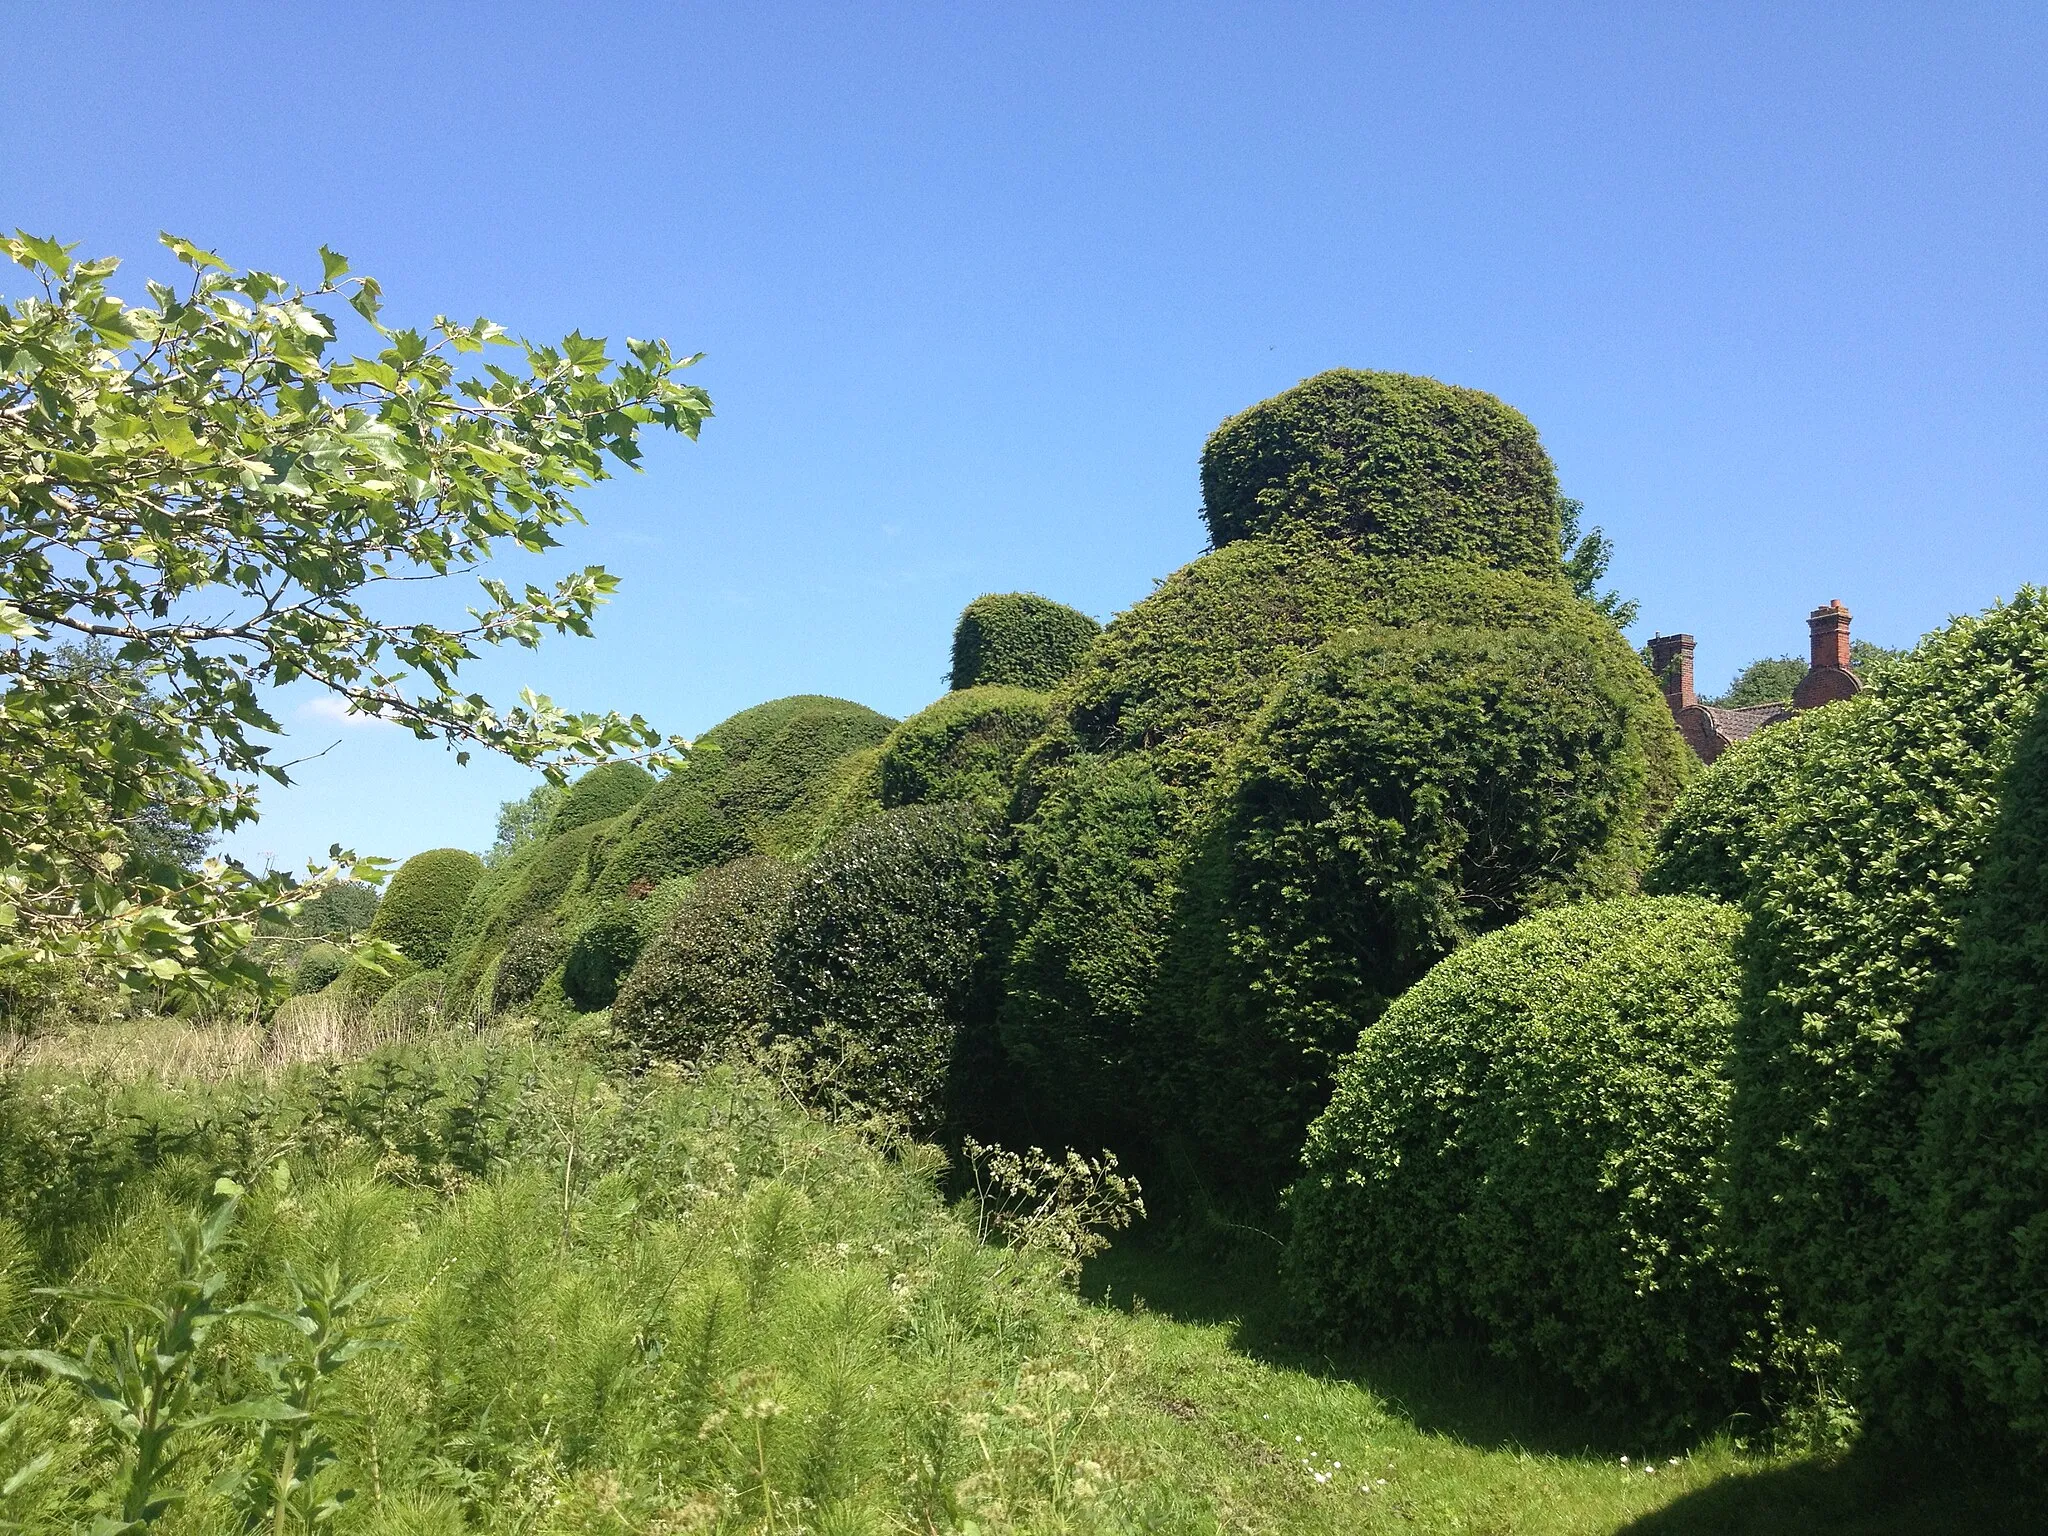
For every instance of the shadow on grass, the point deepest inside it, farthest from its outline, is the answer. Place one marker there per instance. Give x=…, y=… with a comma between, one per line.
x=1459, y=1391
x=1450, y=1388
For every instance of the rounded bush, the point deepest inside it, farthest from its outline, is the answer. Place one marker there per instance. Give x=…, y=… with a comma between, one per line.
x=702, y=987
x=415, y=1003
x=1170, y=691
x=757, y=783
x=1717, y=824
x=1018, y=640
x=1408, y=790
x=608, y=790
x=1528, y=1144
x=600, y=957
x=877, y=961
x=965, y=747
x=1858, y=885
x=318, y=966
x=360, y=988
x=529, y=957
x=419, y=912
x=1403, y=466
x=1979, y=1301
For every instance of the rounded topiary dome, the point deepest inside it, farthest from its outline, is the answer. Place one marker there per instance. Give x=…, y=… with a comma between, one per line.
x=1019, y=639
x=1403, y=465
x=599, y=795
x=419, y=912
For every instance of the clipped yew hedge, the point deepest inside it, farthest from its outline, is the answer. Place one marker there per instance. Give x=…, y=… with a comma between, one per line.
x=1018, y=640
x=1402, y=466
x=317, y=968
x=877, y=963
x=1529, y=1145
x=605, y=791
x=964, y=747
x=419, y=912
x=1408, y=790
x=597, y=961
x=702, y=988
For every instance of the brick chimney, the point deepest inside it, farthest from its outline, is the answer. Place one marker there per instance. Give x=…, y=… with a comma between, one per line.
x=1671, y=660
x=1828, y=678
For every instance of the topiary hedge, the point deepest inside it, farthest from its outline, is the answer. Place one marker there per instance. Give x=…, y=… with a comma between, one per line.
x=419, y=912
x=751, y=786
x=317, y=967
x=1018, y=640
x=1979, y=1296
x=1529, y=1144
x=1858, y=885
x=878, y=960
x=1717, y=825
x=702, y=987
x=964, y=747
x=1171, y=689
x=1408, y=790
x=415, y=1003
x=528, y=958
x=608, y=790
x=1404, y=466
x=601, y=955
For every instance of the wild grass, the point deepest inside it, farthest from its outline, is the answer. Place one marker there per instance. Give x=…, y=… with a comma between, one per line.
x=482, y=1286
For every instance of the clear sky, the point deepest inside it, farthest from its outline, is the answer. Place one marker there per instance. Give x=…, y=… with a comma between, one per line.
x=974, y=283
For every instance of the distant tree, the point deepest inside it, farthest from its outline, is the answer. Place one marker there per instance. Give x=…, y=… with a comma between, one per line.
x=1771, y=679
x=524, y=822
x=1586, y=558
x=198, y=484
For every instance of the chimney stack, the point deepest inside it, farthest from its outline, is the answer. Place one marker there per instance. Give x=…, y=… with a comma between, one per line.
x=1671, y=660
x=1828, y=678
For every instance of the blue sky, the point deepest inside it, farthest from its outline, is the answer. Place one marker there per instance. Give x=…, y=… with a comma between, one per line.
x=974, y=283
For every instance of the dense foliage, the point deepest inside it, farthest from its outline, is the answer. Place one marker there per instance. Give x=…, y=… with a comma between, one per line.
x=878, y=961
x=964, y=747
x=702, y=988
x=1018, y=640
x=1408, y=790
x=604, y=792
x=198, y=483
x=1858, y=877
x=1118, y=791
x=1404, y=466
x=1771, y=679
x=600, y=956
x=419, y=912
x=1979, y=1304
x=530, y=955
x=523, y=822
x=1530, y=1143
x=317, y=967
x=1709, y=843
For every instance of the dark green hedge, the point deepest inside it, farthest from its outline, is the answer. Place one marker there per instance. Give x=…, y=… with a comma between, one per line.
x=318, y=966
x=529, y=957
x=1171, y=690
x=1858, y=888
x=703, y=988
x=420, y=910
x=1529, y=1144
x=1019, y=640
x=1979, y=1301
x=878, y=961
x=604, y=792
x=965, y=747
x=1405, y=466
x=601, y=955
x=1408, y=790
x=752, y=786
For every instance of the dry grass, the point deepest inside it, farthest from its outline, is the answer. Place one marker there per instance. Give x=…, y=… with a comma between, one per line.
x=182, y=1051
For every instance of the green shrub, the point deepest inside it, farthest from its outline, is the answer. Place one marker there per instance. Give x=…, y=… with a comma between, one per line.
x=702, y=987
x=415, y=1003
x=1528, y=1143
x=1717, y=826
x=877, y=961
x=1404, y=466
x=752, y=786
x=318, y=966
x=1172, y=687
x=1408, y=790
x=529, y=957
x=608, y=790
x=600, y=957
x=965, y=747
x=1858, y=887
x=1018, y=640
x=419, y=913
x=1979, y=1304
x=360, y=988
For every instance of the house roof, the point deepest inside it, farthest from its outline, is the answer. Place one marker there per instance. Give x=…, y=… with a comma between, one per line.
x=1733, y=725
